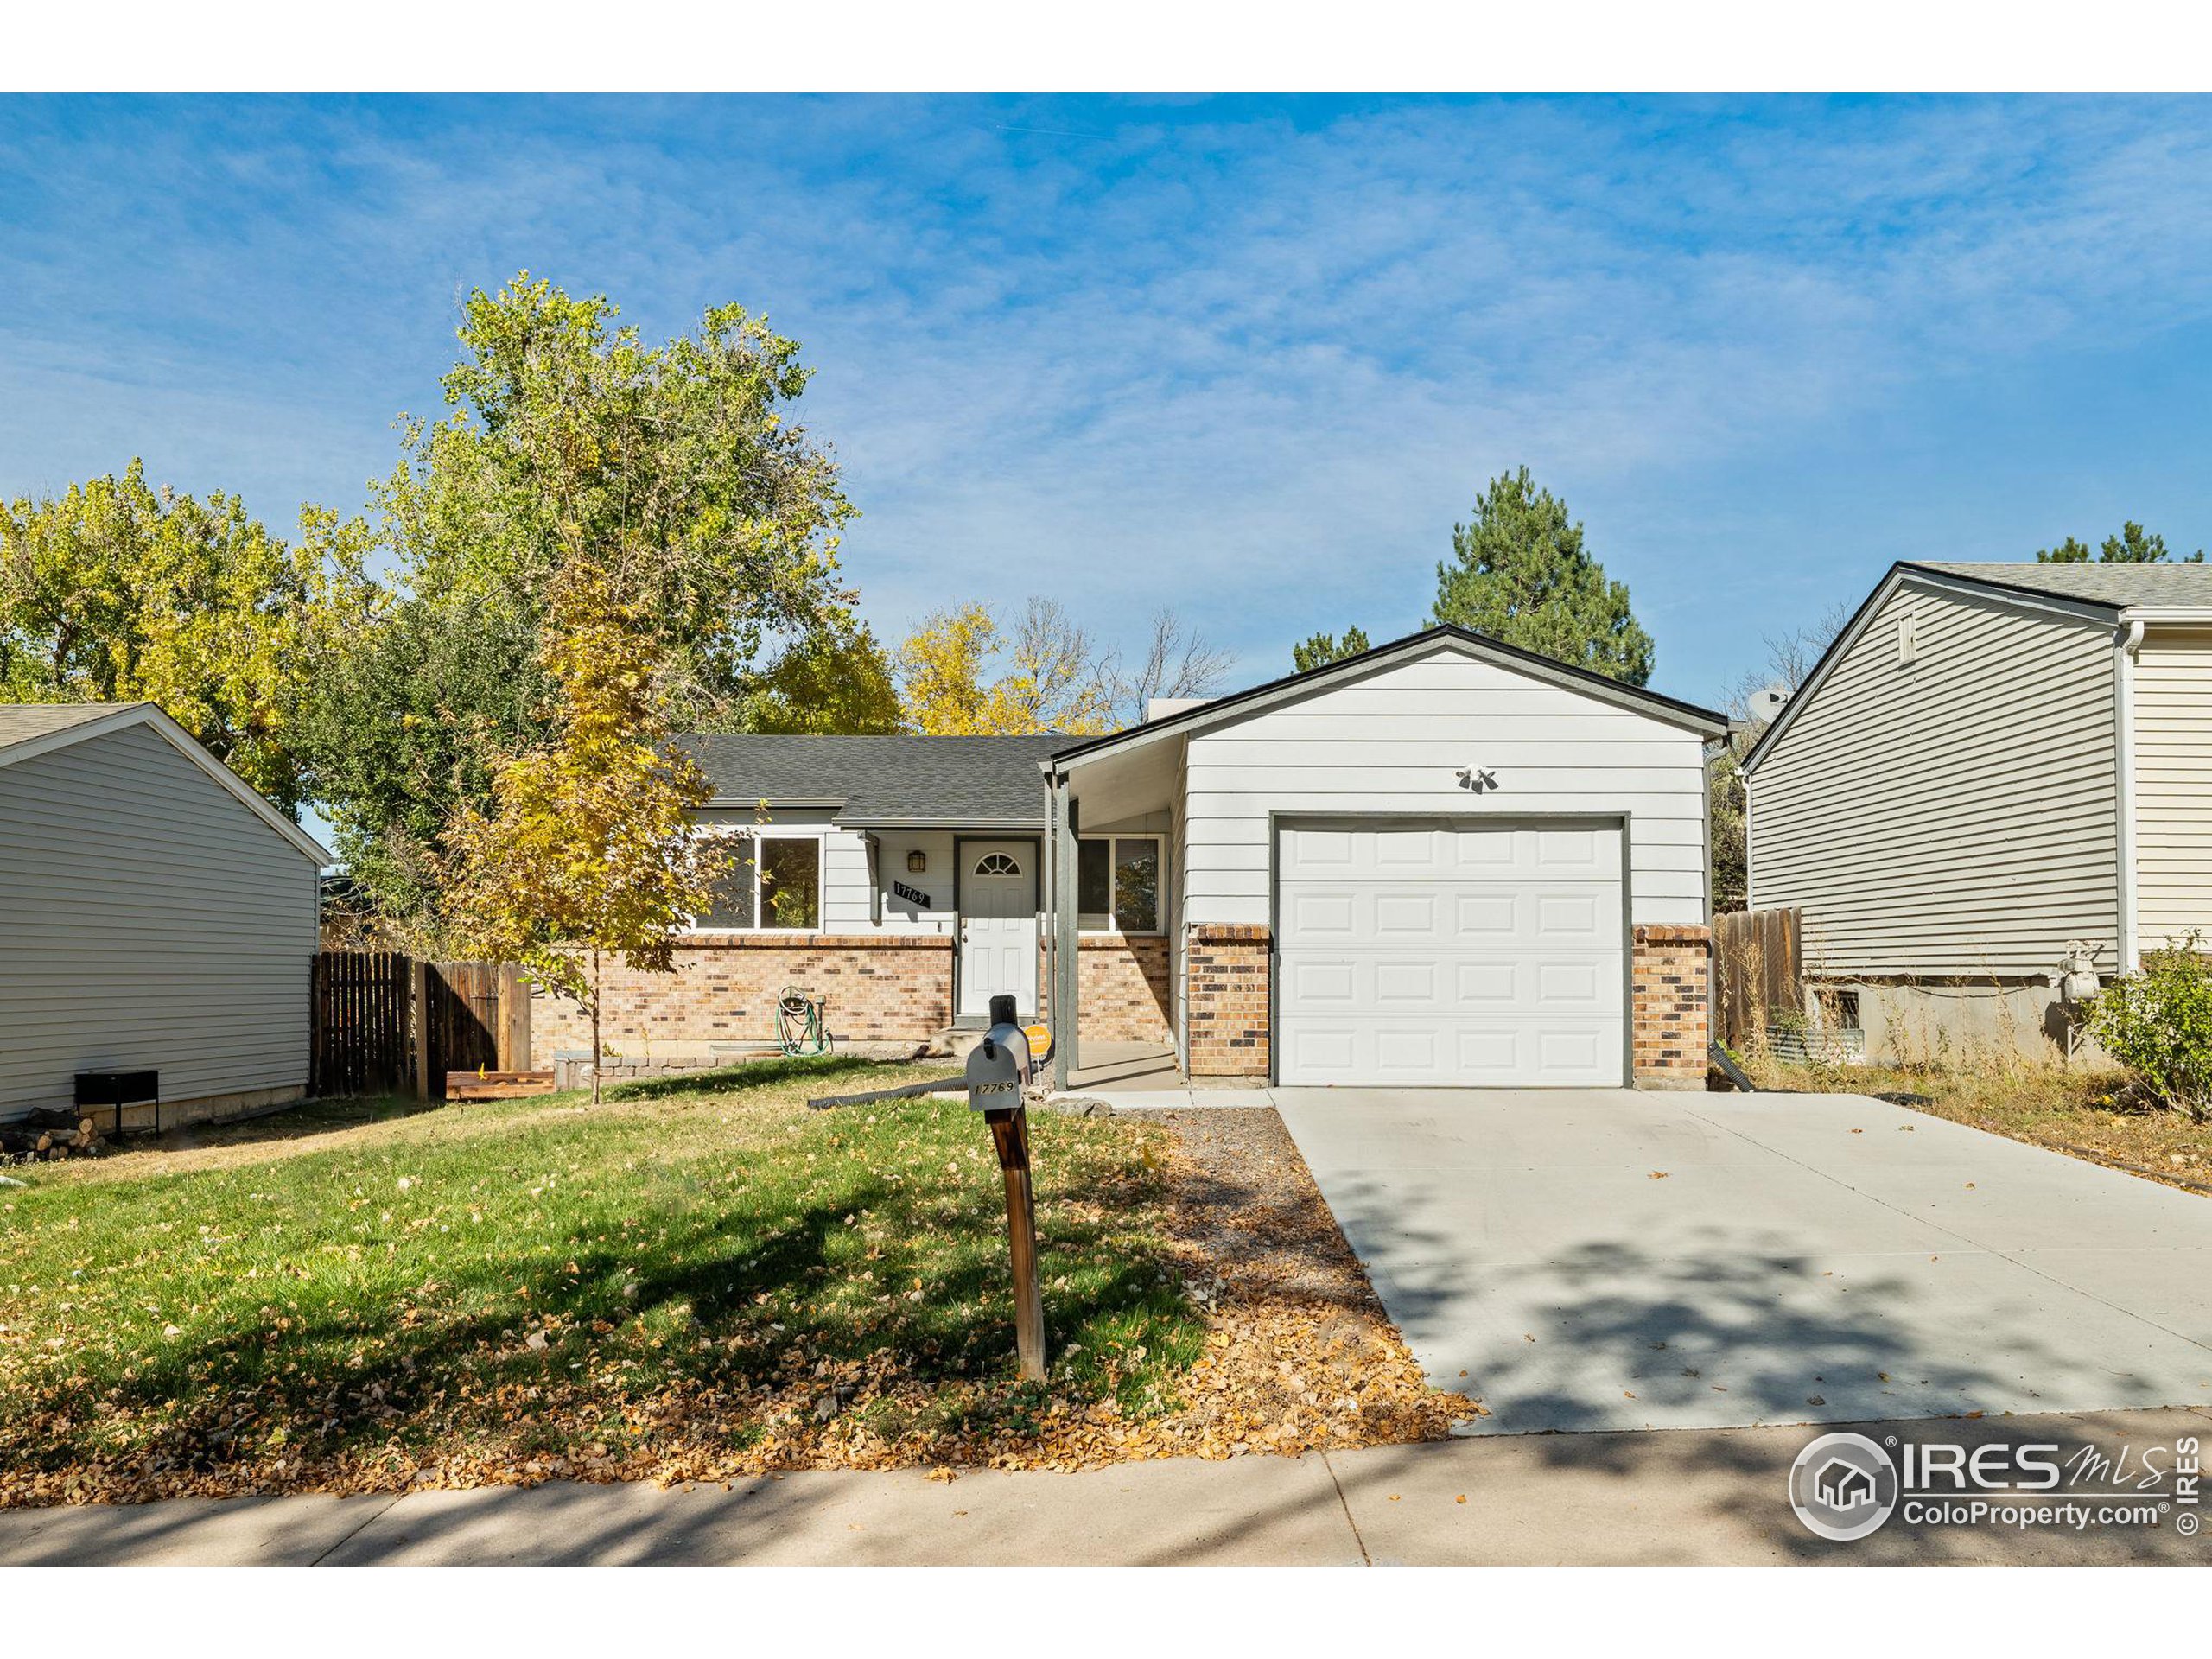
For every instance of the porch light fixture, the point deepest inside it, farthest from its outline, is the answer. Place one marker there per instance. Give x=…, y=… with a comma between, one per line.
x=917, y=862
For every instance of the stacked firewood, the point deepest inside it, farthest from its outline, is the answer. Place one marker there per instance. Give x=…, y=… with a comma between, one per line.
x=49, y=1135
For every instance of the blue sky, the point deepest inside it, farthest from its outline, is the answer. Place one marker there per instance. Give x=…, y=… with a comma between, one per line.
x=1249, y=356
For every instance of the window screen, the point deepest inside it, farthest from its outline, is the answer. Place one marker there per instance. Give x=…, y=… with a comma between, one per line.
x=733, y=905
x=791, y=883
x=1137, y=885
x=1094, y=884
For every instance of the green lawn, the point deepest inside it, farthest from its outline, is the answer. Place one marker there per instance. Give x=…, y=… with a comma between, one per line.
x=689, y=1281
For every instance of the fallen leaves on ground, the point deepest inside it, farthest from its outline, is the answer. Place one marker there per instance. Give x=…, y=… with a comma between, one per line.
x=1297, y=1354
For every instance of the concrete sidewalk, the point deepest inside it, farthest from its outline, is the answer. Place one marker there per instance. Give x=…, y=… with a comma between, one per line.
x=1670, y=1497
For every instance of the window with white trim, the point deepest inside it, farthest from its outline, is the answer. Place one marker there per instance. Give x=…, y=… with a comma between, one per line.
x=1117, y=884
x=774, y=884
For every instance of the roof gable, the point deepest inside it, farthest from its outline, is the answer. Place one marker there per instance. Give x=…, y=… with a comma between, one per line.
x=1960, y=579
x=28, y=730
x=1444, y=637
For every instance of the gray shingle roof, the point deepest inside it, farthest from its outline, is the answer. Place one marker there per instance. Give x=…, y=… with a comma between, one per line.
x=21, y=722
x=986, y=781
x=2117, y=585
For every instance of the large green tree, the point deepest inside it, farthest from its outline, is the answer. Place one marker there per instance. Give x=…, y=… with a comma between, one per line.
x=2132, y=545
x=1519, y=573
x=118, y=592
x=679, y=471
x=412, y=720
x=680, y=468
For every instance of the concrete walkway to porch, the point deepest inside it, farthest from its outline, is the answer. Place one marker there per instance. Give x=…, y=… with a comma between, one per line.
x=1144, y=1076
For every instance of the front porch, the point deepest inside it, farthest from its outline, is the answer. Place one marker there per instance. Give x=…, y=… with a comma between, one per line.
x=1112, y=911
x=1140, y=1068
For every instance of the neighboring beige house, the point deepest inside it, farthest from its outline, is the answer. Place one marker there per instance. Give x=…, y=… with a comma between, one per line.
x=1993, y=766
x=1444, y=861
x=156, y=914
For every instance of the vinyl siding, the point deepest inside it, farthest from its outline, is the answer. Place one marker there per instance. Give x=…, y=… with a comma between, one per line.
x=1394, y=741
x=2173, y=785
x=148, y=918
x=1955, y=818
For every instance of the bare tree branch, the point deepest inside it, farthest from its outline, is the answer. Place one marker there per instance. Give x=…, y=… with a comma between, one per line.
x=1179, y=662
x=1791, y=655
x=1060, y=679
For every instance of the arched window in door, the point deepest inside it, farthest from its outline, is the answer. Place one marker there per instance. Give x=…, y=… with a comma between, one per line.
x=996, y=864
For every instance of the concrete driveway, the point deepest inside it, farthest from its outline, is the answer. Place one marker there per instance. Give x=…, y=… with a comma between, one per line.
x=1602, y=1260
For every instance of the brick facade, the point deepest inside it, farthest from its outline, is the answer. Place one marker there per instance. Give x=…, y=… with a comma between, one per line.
x=880, y=987
x=1228, y=987
x=1123, y=989
x=1670, y=977
x=894, y=988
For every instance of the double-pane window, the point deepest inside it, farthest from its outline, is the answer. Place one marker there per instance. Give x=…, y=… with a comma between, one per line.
x=774, y=881
x=1117, y=884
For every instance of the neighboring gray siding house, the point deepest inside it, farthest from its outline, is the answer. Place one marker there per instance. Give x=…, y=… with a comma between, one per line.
x=1993, y=764
x=156, y=914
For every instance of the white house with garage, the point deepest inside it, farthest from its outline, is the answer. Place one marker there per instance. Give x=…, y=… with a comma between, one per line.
x=1996, y=772
x=1446, y=861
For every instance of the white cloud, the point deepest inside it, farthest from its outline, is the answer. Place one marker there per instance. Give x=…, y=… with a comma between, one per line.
x=1252, y=363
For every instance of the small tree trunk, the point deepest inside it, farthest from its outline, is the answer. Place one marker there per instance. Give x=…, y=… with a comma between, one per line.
x=596, y=1051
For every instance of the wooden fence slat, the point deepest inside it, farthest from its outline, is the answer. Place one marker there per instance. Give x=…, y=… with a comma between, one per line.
x=1759, y=969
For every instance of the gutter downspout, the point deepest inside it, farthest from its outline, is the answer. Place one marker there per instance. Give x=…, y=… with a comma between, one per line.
x=1709, y=752
x=1067, y=988
x=1048, y=898
x=2125, y=648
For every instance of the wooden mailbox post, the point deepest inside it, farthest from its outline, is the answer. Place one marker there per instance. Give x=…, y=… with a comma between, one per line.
x=998, y=1067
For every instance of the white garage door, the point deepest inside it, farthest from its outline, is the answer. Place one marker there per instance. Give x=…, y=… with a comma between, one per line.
x=1442, y=953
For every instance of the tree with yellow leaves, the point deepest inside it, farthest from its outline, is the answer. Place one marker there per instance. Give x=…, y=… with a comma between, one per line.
x=941, y=667
x=116, y=592
x=591, y=849
x=1055, y=680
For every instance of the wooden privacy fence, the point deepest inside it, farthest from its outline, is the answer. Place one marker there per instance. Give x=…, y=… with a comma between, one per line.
x=1758, y=967
x=380, y=1021
x=360, y=1015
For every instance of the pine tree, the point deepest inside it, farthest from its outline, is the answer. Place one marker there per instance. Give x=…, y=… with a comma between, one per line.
x=1322, y=649
x=1519, y=573
x=2131, y=546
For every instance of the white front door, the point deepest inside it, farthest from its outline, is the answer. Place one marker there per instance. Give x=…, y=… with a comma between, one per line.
x=1430, y=953
x=998, y=926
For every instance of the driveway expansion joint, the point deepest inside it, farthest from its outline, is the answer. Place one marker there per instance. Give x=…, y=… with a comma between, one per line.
x=367, y=1521
x=1365, y=1560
